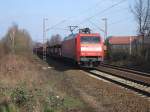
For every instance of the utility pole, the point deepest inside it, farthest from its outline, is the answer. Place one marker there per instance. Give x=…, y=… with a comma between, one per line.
x=106, y=28
x=44, y=38
x=130, y=51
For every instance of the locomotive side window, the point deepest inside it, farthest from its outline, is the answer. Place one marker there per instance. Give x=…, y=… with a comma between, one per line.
x=90, y=39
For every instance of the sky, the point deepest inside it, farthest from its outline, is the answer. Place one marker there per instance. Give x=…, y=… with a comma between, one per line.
x=29, y=14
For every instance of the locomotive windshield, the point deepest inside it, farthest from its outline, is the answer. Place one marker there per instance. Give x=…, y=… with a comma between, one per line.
x=90, y=39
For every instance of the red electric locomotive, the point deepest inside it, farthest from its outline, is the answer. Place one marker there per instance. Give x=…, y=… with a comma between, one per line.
x=85, y=48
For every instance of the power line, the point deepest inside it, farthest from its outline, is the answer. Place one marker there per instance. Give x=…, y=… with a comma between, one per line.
x=118, y=10
x=97, y=4
x=96, y=26
x=59, y=28
x=120, y=21
x=56, y=24
x=87, y=19
x=112, y=6
x=90, y=8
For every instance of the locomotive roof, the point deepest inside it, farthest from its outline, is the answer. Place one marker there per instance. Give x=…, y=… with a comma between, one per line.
x=81, y=34
x=70, y=36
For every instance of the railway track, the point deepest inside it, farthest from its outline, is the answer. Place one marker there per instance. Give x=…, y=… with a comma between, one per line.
x=131, y=70
x=132, y=80
x=137, y=77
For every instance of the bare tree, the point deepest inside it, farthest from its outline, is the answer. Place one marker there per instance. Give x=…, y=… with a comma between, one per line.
x=55, y=40
x=141, y=12
x=17, y=40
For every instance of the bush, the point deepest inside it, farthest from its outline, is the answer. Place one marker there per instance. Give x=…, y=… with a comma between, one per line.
x=56, y=103
x=118, y=56
x=22, y=41
x=20, y=96
x=136, y=60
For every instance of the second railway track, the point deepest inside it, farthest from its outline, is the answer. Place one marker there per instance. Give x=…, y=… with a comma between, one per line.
x=131, y=70
x=134, y=76
x=130, y=80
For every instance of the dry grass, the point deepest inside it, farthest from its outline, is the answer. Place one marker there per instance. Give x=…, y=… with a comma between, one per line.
x=99, y=96
x=15, y=69
x=31, y=88
x=107, y=97
x=60, y=89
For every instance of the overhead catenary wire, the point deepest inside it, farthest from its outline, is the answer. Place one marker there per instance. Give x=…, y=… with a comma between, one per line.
x=88, y=9
x=97, y=4
x=112, y=6
x=112, y=23
x=96, y=26
x=67, y=19
x=57, y=28
x=121, y=21
x=56, y=25
x=89, y=18
x=116, y=12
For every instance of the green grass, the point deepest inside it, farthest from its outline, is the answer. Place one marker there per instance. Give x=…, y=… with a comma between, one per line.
x=8, y=108
x=72, y=102
x=61, y=105
x=20, y=97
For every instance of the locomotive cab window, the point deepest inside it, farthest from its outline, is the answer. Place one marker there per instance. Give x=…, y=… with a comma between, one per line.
x=90, y=39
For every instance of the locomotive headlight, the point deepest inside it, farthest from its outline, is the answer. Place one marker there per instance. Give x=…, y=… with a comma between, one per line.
x=98, y=48
x=91, y=48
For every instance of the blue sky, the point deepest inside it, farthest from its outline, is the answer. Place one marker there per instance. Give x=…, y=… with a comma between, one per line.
x=28, y=14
